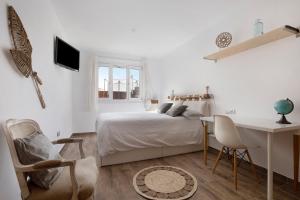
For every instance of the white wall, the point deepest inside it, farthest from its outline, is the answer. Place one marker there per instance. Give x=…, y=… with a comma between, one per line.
x=251, y=81
x=18, y=96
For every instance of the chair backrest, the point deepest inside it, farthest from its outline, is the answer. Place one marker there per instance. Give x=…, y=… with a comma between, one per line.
x=14, y=129
x=226, y=132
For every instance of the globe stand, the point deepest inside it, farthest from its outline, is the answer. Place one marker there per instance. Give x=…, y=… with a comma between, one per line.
x=283, y=120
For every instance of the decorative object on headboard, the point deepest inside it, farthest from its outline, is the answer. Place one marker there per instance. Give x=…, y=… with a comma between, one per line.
x=154, y=101
x=206, y=95
x=223, y=40
x=172, y=95
x=21, y=54
x=284, y=107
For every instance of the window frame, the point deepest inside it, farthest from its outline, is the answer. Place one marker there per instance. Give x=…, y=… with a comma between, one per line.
x=135, y=65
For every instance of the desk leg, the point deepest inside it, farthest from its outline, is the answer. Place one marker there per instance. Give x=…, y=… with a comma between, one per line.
x=296, y=160
x=205, y=142
x=270, y=167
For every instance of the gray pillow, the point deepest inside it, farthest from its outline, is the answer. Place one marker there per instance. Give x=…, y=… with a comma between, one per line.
x=176, y=110
x=191, y=114
x=163, y=108
x=34, y=148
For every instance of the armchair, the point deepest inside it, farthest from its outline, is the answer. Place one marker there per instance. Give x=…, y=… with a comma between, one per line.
x=77, y=181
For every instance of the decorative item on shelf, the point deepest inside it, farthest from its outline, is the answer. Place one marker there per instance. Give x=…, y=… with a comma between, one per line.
x=258, y=28
x=22, y=51
x=223, y=40
x=206, y=95
x=284, y=107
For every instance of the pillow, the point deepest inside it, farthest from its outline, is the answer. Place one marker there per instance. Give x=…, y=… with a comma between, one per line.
x=34, y=148
x=198, y=106
x=163, y=108
x=176, y=110
x=191, y=114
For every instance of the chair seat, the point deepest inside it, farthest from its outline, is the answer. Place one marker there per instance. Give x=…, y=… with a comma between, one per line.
x=86, y=172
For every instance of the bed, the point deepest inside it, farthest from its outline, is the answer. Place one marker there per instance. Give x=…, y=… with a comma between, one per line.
x=134, y=136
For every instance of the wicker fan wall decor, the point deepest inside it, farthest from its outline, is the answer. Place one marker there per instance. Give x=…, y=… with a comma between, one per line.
x=22, y=51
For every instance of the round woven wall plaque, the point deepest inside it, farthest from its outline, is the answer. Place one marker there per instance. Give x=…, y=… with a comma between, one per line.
x=224, y=39
x=165, y=183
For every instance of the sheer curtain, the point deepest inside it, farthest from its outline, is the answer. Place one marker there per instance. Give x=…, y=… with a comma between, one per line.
x=93, y=85
x=147, y=87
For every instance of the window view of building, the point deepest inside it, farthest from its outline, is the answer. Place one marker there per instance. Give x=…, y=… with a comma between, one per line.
x=103, y=82
x=119, y=83
x=134, y=75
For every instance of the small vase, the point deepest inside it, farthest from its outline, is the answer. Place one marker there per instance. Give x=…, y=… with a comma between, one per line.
x=258, y=28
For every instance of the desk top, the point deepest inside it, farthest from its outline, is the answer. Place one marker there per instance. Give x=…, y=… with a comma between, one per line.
x=266, y=125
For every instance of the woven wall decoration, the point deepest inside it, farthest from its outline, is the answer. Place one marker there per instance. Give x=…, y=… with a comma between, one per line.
x=224, y=39
x=22, y=51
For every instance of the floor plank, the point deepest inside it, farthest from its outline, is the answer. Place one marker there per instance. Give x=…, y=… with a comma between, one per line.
x=115, y=182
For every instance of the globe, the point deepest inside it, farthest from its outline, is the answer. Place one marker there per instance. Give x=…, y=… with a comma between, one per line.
x=284, y=107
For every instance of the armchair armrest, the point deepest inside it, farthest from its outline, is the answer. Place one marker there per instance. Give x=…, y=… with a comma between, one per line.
x=72, y=140
x=67, y=140
x=48, y=164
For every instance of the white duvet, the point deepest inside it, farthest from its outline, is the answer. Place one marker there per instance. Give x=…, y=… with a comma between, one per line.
x=127, y=131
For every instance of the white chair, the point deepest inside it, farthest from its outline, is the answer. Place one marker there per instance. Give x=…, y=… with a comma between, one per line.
x=227, y=134
x=76, y=183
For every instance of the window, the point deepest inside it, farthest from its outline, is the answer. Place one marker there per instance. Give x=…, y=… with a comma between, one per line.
x=103, y=82
x=119, y=81
x=119, y=75
x=134, y=84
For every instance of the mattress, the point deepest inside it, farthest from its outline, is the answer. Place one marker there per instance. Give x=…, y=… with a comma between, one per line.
x=119, y=132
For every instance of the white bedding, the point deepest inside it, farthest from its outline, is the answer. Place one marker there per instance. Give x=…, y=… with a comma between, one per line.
x=127, y=131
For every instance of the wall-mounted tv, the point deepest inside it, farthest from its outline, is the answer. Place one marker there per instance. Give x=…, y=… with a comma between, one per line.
x=65, y=55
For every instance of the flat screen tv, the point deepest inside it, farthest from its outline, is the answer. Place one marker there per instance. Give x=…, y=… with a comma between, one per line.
x=65, y=55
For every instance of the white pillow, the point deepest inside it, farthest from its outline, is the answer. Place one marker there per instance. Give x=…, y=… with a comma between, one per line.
x=198, y=106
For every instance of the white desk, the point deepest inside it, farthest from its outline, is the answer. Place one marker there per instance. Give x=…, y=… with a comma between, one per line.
x=265, y=126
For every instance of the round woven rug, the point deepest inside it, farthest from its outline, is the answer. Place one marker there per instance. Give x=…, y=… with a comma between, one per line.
x=165, y=183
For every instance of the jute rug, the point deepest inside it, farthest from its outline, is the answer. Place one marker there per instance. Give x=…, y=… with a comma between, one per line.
x=165, y=183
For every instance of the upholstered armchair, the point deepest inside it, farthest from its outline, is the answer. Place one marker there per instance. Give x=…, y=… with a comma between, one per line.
x=77, y=180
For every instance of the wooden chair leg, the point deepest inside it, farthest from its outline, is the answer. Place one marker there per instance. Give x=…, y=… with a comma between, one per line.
x=218, y=159
x=296, y=160
x=232, y=164
x=252, y=165
x=235, y=168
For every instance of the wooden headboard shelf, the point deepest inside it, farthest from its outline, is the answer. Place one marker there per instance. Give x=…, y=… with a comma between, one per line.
x=189, y=98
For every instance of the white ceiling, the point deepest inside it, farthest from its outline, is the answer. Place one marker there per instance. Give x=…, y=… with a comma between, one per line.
x=147, y=28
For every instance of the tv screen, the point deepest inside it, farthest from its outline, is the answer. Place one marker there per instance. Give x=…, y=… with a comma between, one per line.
x=66, y=55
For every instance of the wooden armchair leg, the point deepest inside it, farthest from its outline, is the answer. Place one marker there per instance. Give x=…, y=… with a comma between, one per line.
x=218, y=159
x=252, y=166
x=82, y=154
x=235, y=168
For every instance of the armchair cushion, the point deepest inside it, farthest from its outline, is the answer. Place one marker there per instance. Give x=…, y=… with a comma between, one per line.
x=34, y=148
x=86, y=173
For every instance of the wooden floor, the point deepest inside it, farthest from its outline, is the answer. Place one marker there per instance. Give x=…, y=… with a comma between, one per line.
x=115, y=182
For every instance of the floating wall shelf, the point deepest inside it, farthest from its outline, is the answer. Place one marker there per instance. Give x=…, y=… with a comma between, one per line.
x=276, y=34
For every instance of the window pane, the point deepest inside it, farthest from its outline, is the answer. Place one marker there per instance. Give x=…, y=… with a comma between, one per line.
x=103, y=82
x=119, y=83
x=134, y=77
